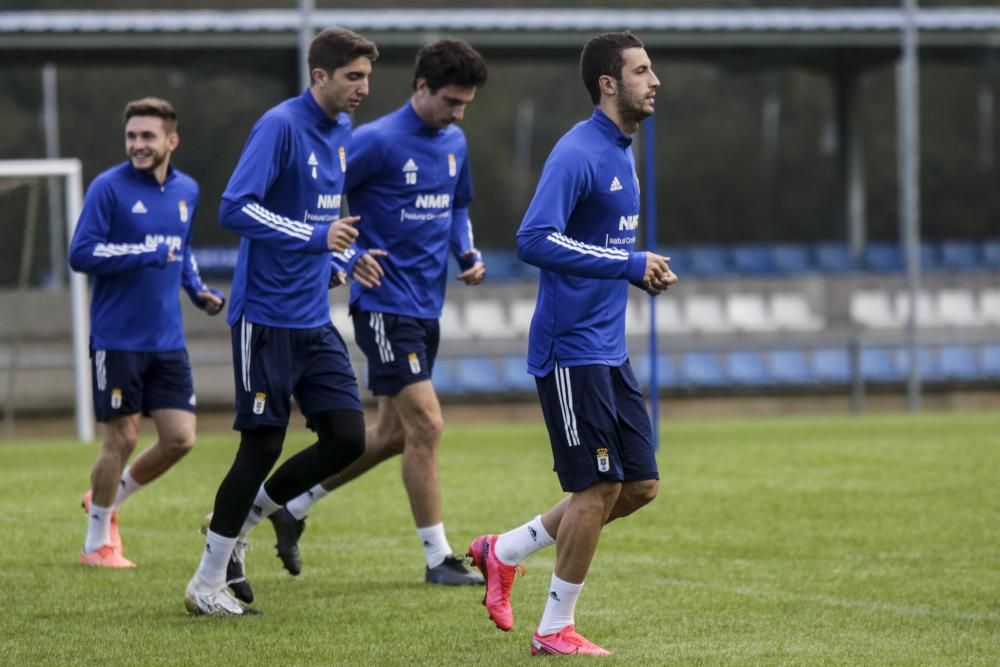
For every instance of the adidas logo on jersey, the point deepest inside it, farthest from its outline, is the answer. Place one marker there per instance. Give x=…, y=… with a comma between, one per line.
x=616, y=185
x=313, y=162
x=139, y=207
x=410, y=166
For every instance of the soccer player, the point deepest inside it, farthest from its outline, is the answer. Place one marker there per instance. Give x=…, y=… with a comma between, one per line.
x=408, y=178
x=134, y=238
x=580, y=230
x=284, y=200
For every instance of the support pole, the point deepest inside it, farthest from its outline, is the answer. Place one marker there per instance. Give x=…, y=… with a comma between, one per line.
x=649, y=153
x=306, y=10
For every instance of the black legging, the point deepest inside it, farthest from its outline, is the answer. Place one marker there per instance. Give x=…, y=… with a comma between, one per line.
x=341, y=441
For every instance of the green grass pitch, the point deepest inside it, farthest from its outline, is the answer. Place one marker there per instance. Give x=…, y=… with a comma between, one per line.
x=830, y=541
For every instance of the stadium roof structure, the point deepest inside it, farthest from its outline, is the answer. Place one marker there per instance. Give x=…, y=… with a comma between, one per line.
x=806, y=36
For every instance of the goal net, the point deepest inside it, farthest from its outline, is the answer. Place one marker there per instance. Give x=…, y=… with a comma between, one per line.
x=44, y=364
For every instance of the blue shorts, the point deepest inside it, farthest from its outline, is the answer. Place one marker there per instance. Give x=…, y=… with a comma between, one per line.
x=126, y=383
x=401, y=350
x=272, y=364
x=598, y=425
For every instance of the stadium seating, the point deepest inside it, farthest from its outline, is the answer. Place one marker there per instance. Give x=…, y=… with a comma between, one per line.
x=883, y=258
x=746, y=368
x=341, y=319
x=452, y=324
x=927, y=315
x=748, y=312
x=702, y=369
x=991, y=254
x=831, y=365
x=752, y=260
x=789, y=259
x=521, y=311
x=708, y=261
x=444, y=378
x=874, y=309
x=959, y=256
x=477, y=375
x=514, y=374
x=957, y=308
x=879, y=364
x=989, y=306
x=834, y=258
x=485, y=318
x=789, y=367
x=989, y=361
x=669, y=318
x=790, y=311
x=958, y=362
x=704, y=314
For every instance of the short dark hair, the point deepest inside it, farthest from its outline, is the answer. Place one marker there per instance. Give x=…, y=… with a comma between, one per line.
x=449, y=62
x=335, y=47
x=602, y=56
x=152, y=106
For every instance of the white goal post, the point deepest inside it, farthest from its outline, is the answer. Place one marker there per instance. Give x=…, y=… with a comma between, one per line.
x=71, y=171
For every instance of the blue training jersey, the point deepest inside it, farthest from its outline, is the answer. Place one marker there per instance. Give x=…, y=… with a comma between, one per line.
x=128, y=225
x=281, y=199
x=580, y=230
x=411, y=185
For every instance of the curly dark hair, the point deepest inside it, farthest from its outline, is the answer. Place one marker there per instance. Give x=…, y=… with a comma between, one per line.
x=449, y=62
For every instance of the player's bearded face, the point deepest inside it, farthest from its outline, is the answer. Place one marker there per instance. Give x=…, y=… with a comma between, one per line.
x=638, y=86
x=147, y=142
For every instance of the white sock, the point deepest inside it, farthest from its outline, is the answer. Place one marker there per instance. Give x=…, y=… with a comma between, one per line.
x=98, y=528
x=126, y=487
x=262, y=508
x=435, y=544
x=560, y=607
x=299, y=507
x=215, y=559
x=515, y=545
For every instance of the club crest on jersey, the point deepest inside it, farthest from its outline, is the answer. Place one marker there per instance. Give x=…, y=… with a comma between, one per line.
x=116, y=398
x=603, y=462
x=414, y=362
x=452, y=165
x=343, y=158
x=182, y=208
x=313, y=162
x=258, y=403
x=410, y=170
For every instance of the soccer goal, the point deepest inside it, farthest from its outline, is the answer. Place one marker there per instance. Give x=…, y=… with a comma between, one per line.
x=40, y=202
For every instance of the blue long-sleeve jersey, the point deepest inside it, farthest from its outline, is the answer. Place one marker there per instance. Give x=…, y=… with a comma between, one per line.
x=281, y=199
x=128, y=226
x=411, y=185
x=580, y=230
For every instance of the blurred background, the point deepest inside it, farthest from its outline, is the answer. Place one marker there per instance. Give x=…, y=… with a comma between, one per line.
x=777, y=183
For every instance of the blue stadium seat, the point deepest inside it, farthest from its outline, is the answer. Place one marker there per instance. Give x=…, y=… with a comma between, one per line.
x=514, y=374
x=930, y=257
x=746, y=368
x=926, y=361
x=831, y=365
x=991, y=254
x=879, y=364
x=883, y=258
x=702, y=369
x=708, y=261
x=666, y=371
x=443, y=377
x=752, y=259
x=790, y=367
x=790, y=259
x=958, y=362
x=834, y=258
x=680, y=261
x=989, y=362
x=960, y=255
x=477, y=374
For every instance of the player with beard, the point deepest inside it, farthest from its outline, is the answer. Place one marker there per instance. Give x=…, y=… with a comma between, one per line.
x=133, y=238
x=580, y=230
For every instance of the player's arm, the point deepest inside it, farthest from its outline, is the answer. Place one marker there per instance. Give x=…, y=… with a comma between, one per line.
x=90, y=251
x=470, y=260
x=365, y=157
x=541, y=242
x=266, y=153
x=204, y=297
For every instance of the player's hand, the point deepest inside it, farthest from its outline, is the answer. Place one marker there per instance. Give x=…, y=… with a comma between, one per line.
x=656, y=276
x=475, y=273
x=342, y=233
x=367, y=269
x=337, y=278
x=213, y=304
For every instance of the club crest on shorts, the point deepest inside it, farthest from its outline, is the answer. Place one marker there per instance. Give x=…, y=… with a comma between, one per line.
x=414, y=362
x=116, y=398
x=182, y=209
x=452, y=165
x=258, y=403
x=603, y=462
x=343, y=158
